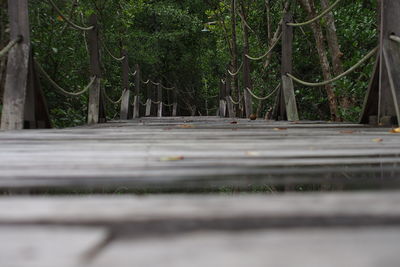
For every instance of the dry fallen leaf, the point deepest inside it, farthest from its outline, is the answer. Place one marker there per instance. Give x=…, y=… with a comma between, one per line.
x=252, y=153
x=234, y=122
x=177, y=158
x=347, y=132
x=186, y=126
x=377, y=140
x=280, y=129
x=397, y=130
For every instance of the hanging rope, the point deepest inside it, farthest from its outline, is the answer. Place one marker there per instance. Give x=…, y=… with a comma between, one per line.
x=329, y=9
x=167, y=88
x=111, y=55
x=146, y=82
x=10, y=45
x=395, y=38
x=268, y=52
x=237, y=72
x=109, y=99
x=234, y=102
x=155, y=102
x=73, y=25
x=59, y=88
x=154, y=83
x=369, y=55
x=266, y=97
x=134, y=74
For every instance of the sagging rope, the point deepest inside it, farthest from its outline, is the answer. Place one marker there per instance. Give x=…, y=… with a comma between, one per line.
x=109, y=99
x=265, y=97
x=145, y=82
x=134, y=74
x=111, y=54
x=364, y=59
x=237, y=72
x=235, y=102
x=72, y=24
x=59, y=88
x=169, y=105
x=326, y=11
x=167, y=88
x=395, y=38
x=154, y=83
x=156, y=102
x=10, y=45
x=268, y=52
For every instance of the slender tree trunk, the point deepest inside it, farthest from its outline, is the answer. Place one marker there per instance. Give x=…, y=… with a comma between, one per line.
x=246, y=65
x=309, y=6
x=334, y=47
x=234, y=64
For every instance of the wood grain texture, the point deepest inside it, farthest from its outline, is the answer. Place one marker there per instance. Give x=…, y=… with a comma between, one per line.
x=213, y=152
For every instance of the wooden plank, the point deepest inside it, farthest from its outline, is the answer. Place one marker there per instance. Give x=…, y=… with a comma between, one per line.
x=15, y=90
x=391, y=52
x=288, y=96
x=229, y=103
x=206, y=212
x=95, y=70
x=47, y=246
x=126, y=110
x=302, y=248
x=175, y=102
x=222, y=97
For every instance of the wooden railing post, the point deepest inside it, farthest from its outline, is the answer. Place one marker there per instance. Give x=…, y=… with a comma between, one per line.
x=94, y=112
x=126, y=109
x=175, y=104
x=382, y=103
x=149, y=100
x=160, y=100
x=287, y=104
x=138, y=84
x=222, y=99
x=228, y=87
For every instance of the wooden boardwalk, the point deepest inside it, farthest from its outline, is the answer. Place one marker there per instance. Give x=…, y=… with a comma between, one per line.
x=231, y=228
x=200, y=153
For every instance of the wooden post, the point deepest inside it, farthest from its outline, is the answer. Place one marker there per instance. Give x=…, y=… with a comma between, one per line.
x=24, y=105
x=175, y=104
x=125, y=103
x=94, y=111
x=222, y=97
x=149, y=100
x=287, y=106
x=15, y=89
x=160, y=100
x=382, y=104
x=228, y=87
x=136, y=108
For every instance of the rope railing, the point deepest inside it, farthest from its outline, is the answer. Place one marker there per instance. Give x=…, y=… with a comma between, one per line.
x=145, y=82
x=265, y=97
x=72, y=24
x=235, y=102
x=155, y=102
x=395, y=38
x=58, y=87
x=268, y=52
x=322, y=14
x=358, y=64
x=109, y=98
x=134, y=74
x=155, y=83
x=237, y=72
x=111, y=54
x=167, y=88
x=10, y=45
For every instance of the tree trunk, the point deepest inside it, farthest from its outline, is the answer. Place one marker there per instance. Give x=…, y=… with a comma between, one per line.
x=309, y=6
x=234, y=64
x=3, y=42
x=246, y=66
x=333, y=43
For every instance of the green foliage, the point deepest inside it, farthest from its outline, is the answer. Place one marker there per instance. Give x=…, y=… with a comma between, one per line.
x=165, y=37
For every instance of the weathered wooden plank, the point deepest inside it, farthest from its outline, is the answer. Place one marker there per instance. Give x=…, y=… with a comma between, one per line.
x=206, y=212
x=47, y=246
x=16, y=85
x=138, y=86
x=302, y=248
x=160, y=105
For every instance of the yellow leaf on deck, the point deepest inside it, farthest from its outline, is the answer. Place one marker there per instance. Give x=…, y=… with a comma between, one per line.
x=377, y=140
x=280, y=129
x=186, y=126
x=177, y=158
x=397, y=130
x=252, y=154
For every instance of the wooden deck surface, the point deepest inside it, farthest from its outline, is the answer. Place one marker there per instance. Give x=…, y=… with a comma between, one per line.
x=302, y=230
x=199, y=153
x=230, y=228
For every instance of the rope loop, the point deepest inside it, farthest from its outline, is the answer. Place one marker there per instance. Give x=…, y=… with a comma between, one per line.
x=109, y=99
x=265, y=97
x=326, y=11
x=58, y=87
x=237, y=72
x=72, y=24
x=364, y=59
